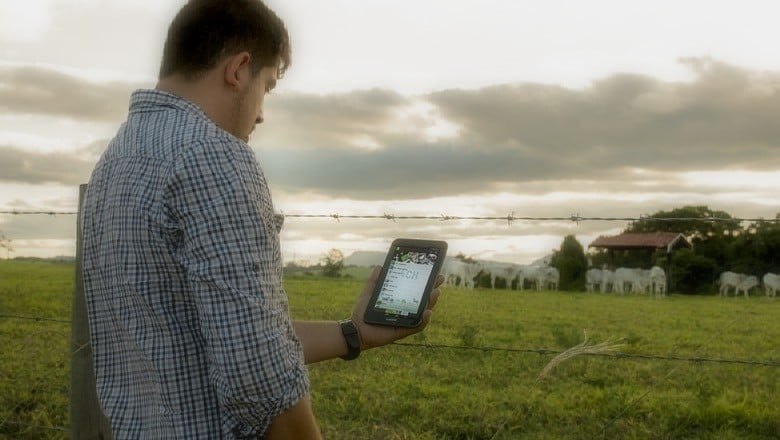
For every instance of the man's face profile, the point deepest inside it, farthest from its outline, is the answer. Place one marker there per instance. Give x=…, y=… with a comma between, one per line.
x=248, y=106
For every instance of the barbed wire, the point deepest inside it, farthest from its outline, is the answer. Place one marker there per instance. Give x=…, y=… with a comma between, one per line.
x=616, y=355
x=540, y=351
x=39, y=212
x=576, y=218
x=34, y=318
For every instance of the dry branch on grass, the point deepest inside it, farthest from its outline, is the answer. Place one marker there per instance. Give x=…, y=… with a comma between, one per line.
x=577, y=350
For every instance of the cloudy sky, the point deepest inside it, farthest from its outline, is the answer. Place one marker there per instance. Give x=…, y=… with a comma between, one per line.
x=428, y=107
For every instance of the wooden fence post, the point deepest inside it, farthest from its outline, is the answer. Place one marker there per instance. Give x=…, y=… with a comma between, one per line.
x=86, y=418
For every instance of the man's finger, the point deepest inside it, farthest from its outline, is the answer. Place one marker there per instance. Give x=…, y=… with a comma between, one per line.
x=426, y=318
x=433, y=298
x=403, y=332
x=375, y=274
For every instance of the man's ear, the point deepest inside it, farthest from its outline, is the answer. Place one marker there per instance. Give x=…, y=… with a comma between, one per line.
x=237, y=70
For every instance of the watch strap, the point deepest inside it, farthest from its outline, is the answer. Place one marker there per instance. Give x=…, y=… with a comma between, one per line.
x=352, y=337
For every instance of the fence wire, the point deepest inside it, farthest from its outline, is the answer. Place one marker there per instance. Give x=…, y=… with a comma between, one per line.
x=615, y=355
x=509, y=218
x=35, y=318
x=540, y=351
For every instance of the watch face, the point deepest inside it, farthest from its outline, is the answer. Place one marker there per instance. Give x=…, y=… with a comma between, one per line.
x=348, y=327
x=352, y=339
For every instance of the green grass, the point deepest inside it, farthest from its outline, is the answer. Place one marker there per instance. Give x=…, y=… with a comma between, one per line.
x=35, y=360
x=409, y=392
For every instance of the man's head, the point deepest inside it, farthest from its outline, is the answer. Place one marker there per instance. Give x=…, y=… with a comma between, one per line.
x=226, y=55
x=205, y=31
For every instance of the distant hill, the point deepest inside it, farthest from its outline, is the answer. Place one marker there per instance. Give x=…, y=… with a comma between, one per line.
x=57, y=259
x=365, y=258
x=544, y=261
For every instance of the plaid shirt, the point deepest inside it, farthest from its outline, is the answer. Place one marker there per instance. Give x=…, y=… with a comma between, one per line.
x=191, y=333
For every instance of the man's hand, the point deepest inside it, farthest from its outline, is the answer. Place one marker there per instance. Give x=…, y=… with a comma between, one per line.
x=297, y=422
x=378, y=335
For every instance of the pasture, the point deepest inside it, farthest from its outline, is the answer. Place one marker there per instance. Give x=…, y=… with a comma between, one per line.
x=463, y=380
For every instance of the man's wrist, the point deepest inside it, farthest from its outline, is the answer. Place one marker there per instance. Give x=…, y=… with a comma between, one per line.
x=351, y=337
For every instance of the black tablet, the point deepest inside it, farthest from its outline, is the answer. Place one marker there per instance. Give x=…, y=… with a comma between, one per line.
x=405, y=282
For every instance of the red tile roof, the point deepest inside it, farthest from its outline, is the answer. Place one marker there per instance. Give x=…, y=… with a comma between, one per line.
x=656, y=240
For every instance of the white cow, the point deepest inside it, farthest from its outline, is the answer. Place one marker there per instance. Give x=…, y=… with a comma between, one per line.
x=771, y=284
x=642, y=283
x=637, y=280
x=455, y=269
x=739, y=281
x=507, y=271
x=526, y=272
x=623, y=275
x=448, y=269
x=658, y=281
x=593, y=277
x=728, y=280
x=547, y=277
x=453, y=272
x=748, y=283
x=607, y=280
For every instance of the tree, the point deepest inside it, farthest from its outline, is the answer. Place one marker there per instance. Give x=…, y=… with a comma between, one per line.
x=333, y=263
x=768, y=251
x=571, y=263
x=462, y=257
x=693, y=273
x=5, y=243
x=757, y=250
x=691, y=227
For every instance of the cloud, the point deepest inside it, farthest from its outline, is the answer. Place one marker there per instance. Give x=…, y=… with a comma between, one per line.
x=42, y=168
x=339, y=121
x=523, y=133
x=524, y=137
x=43, y=91
x=725, y=117
x=26, y=20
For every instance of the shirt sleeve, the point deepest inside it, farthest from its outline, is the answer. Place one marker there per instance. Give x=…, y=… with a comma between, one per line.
x=228, y=247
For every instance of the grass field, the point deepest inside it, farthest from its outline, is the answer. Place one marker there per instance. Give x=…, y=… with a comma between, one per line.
x=413, y=392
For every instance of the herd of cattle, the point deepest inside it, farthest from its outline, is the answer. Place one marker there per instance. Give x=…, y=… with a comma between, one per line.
x=742, y=283
x=627, y=280
x=459, y=273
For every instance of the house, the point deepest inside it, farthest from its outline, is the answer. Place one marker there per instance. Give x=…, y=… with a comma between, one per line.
x=647, y=241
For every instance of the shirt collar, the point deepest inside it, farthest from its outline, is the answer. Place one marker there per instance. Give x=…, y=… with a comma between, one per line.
x=152, y=99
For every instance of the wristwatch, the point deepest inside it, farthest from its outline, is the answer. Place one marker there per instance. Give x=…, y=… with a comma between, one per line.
x=352, y=337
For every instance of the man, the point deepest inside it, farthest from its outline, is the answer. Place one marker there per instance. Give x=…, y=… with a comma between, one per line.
x=190, y=328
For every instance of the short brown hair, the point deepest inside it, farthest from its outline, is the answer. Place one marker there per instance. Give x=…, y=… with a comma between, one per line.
x=205, y=31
